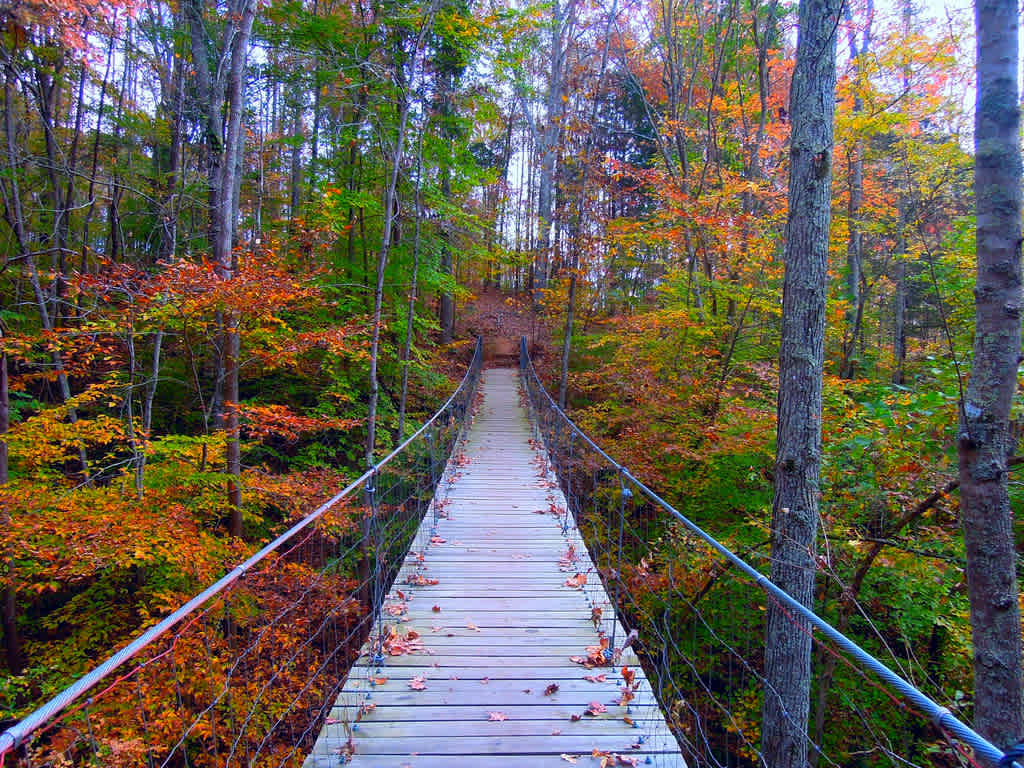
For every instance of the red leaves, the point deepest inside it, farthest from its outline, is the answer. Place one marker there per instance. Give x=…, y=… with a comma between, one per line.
x=438, y=540
x=595, y=708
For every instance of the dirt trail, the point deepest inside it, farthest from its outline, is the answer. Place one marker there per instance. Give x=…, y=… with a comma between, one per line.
x=502, y=319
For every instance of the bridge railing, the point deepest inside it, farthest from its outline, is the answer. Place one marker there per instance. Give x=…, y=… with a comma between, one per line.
x=698, y=609
x=245, y=673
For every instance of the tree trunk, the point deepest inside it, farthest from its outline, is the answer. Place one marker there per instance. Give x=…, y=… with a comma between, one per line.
x=984, y=440
x=224, y=165
x=385, y=244
x=899, y=310
x=801, y=361
x=855, y=166
x=407, y=347
x=8, y=595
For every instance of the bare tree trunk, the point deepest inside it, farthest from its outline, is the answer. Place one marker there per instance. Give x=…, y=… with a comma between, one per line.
x=854, y=243
x=16, y=218
x=899, y=310
x=984, y=442
x=801, y=361
x=8, y=594
x=385, y=245
x=407, y=347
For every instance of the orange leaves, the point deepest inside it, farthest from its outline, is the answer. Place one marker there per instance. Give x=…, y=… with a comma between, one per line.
x=419, y=580
x=596, y=655
x=577, y=581
x=418, y=683
x=266, y=421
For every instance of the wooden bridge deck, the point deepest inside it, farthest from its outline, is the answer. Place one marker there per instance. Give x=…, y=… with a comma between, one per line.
x=486, y=679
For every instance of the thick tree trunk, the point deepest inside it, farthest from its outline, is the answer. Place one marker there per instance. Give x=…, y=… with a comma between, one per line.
x=801, y=362
x=984, y=441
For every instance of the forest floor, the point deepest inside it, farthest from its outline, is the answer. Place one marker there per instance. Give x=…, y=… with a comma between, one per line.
x=502, y=318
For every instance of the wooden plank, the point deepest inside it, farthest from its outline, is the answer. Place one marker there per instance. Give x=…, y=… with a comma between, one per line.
x=657, y=760
x=505, y=627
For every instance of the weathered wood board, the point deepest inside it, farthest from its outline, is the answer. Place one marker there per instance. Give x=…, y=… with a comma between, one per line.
x=486, y=677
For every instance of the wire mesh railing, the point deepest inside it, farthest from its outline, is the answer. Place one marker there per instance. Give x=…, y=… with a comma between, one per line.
x=246, y=672
x=699, y=610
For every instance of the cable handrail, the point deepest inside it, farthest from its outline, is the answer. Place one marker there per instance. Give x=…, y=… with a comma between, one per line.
x=938, y=714
x=20, y=732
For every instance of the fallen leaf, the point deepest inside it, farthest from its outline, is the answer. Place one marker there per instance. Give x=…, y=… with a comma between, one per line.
x=577, y=659
x=471, y=625
x=575, y=718
x=553, y=688
x=412, y=634
x=595, y=678
x=379, y=680
x=595, y=708
x=568, y=758
x=485, y=681
x=437, y=540
x=436, y=609
x=628, y=720
x=628, y=675
x=577, y=581
x=623, y=760
x=556, y=732
x=331, y=721
x=595, y=616
x=418, y=684
x=497, y=716
x=419, y=580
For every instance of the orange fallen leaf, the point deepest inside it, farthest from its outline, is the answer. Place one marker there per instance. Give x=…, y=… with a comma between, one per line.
x=577, y=581
x=418, y=684
x=497, y=716
x=437, y=540
x=627, y=720
x=628, y=675
x=595, y=708
x=471, y=625
x=595, y=678
x=551, y=689
x=379, y=680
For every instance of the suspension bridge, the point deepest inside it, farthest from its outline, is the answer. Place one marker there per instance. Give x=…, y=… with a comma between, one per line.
x=497, y=590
